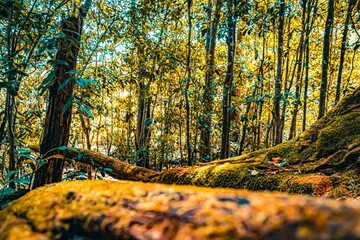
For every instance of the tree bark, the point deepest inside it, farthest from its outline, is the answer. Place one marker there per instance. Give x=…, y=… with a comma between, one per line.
x=213, y=23
x=351, y=5
x=312, y=8
x=227, y=91
x=278, y=82
x=187, y=85
x=142, y=130
x=292, y=132
x=325, y=58
x=59, y=112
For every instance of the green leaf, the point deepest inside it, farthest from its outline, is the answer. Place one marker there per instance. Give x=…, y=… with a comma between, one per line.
x=62, y=148
x=85, y=109
x=64, y=83
x=67, y=105
x=148, y=122
x=48, y=79
x=79, y=157
x=6, y=191
x=16, y=71
x=82, y=82
x=74, y=150
x=23, y=151
x=10, y=174
x=108, y=170
x=20, y=180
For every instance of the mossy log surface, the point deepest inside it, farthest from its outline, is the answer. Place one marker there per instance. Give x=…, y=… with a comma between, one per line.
x=134, y=210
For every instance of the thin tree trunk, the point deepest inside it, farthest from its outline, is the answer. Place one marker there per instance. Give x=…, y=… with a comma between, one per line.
x=300, y=64
x=312, y=7
x=10, y=95
x=187, y=85
x=142, y=131
x=209, y=88
x=350, y=8
x=325, y=58
x=278, y=82
x=287, y=73
x=226, y=108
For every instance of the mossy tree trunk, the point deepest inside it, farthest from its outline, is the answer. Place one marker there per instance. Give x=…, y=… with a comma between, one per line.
x=58, y=115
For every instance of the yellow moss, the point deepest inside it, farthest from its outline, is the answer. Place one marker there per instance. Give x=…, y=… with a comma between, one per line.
x=320, y=184
x=344, y=131
x=131, y=210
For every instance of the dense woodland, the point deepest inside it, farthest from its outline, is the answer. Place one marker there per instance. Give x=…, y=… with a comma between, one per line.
x=258, y=95
x=163, y=84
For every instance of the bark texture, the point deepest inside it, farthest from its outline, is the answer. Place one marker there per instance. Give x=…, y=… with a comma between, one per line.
x=58, y=115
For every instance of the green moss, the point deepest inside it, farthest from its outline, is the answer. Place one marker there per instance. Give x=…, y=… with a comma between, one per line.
x=345, y=130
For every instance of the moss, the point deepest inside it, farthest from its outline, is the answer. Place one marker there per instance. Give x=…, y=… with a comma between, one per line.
x=239, y=176
x=345, y=130
x=133, y=210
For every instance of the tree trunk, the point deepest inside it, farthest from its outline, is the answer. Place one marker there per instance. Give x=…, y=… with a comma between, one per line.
x=299, y=74
x=58, y=115
x=226, y=108
x=278, y=82
x=142, y=130
x=325, y=58
x=187, y=85
x=311, y=8
x=213, y=23
x=351, y=5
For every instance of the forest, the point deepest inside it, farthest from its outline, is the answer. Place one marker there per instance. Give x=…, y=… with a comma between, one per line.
x=143, y=96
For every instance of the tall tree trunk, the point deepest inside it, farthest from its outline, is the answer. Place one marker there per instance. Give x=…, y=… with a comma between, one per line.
x=299, y=76
x=287, y=86
x=187, y=85
x=142, y=130
x=351, y=5
x=209, y=85
x=10, y=94
x=86, y=128
x=325, y=58
x=246, y=119
x=227, y=91
x=311, y=8
x=278, y=82
x=58, y=115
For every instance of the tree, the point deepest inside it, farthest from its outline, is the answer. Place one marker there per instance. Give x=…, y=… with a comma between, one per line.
x=351, y=5
x=325, y=58
x=210, y=44
x=61, y=86
x=278, y=82
x=227, y=91
x=187, y=84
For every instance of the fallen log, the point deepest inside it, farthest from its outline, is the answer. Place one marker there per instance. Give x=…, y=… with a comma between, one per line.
x=133, y=210
x=119, y=169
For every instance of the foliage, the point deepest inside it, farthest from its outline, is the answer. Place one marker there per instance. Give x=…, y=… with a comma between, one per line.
x=133, y=43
